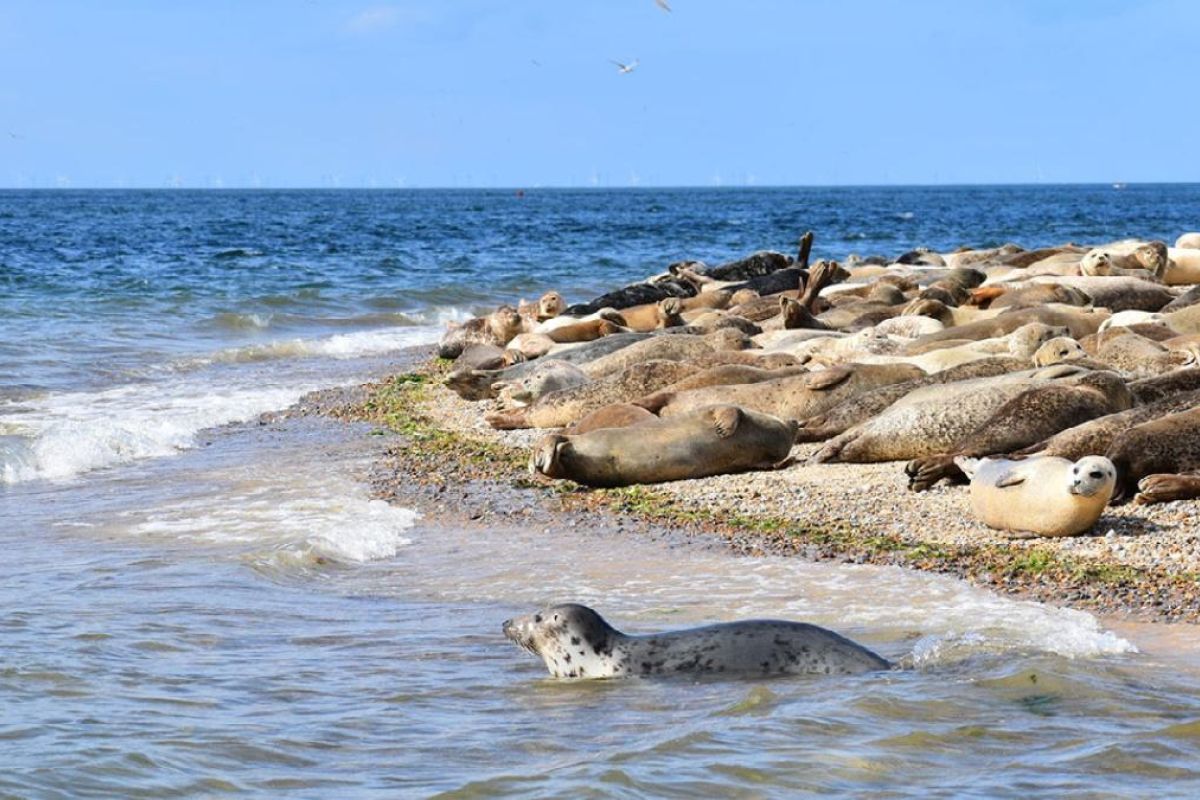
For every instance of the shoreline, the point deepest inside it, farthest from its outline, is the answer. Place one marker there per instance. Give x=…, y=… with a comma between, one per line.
x=1141, y=565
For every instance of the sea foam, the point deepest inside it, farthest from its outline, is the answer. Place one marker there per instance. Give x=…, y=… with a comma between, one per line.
x=62, y=435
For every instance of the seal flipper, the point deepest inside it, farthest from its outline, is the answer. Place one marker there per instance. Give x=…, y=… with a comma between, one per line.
x=1009, y=479
x=1166, y=488
x=546, y=457
x=828, y=378
x=923, y=473
x=655, y=402
x=724, y=420
x=515, y=419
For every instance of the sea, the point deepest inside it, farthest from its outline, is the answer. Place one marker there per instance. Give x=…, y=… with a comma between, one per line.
x=200, y=601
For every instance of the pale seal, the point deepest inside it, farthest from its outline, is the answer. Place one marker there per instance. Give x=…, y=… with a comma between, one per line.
x=1040, y=496
x=709, y=441
x=576, y=642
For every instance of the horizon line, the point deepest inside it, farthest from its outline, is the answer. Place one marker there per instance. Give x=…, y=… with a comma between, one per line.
x=567, y=187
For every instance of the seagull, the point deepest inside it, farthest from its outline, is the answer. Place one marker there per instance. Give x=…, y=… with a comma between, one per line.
x=625, y=69
x=663, y=5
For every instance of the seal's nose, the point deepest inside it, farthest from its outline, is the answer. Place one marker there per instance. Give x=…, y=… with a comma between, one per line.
x=506, y=627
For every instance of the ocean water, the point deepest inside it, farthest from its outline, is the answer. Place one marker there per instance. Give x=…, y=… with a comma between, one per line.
x=197, y=603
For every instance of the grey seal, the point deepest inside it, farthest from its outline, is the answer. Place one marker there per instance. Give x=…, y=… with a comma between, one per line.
x=576, y=642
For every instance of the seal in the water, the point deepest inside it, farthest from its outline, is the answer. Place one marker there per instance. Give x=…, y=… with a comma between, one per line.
x=709, y=441
x=576, y=642
x=1040, y=496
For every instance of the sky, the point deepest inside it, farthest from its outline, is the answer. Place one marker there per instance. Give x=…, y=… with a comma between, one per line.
x=522, y=93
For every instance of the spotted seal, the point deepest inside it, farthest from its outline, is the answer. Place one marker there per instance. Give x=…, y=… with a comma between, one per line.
x=576, y=642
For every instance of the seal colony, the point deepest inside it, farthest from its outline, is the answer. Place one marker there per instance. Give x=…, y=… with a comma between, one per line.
x=932, y=360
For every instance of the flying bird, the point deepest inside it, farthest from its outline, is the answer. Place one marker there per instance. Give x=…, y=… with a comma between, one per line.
x=625, y=69
x=663, y=5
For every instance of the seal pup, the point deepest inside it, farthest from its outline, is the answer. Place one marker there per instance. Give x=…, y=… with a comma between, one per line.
x=709, y=441
x=1041, y=496
x=576, y=642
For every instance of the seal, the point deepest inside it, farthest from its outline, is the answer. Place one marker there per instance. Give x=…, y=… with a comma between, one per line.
x=1169, y=444
x=672, y=347
x=497, y=328
x=1188, y=241
x=480, y=356
x=728, y=375
x=617, y=415
x=1095, y=437
x=586, y=331
x=477, y=384
x=791, y=398
x=1184, y=266
x=1058, y=350
x=709, y=441
x=1117, y=293
x=1030, y=417
x=1042, y=496
x=930, y=420
x=549, y=376
x=576, y=642
x=548, y=306
x=566, y=406
x=866, y=405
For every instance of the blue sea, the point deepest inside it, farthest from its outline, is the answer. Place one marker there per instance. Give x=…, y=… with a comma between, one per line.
x=198, y=601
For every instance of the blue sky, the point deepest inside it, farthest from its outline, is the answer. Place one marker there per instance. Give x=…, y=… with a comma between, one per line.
x=522, y=92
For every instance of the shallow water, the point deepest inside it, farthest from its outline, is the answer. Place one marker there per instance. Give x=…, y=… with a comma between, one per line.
x=245, y=620
x=196, y=604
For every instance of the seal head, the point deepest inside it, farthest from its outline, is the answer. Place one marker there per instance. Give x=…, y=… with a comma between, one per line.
x=1091, y=476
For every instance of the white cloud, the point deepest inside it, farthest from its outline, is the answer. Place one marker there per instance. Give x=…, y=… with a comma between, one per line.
x=373, y=19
